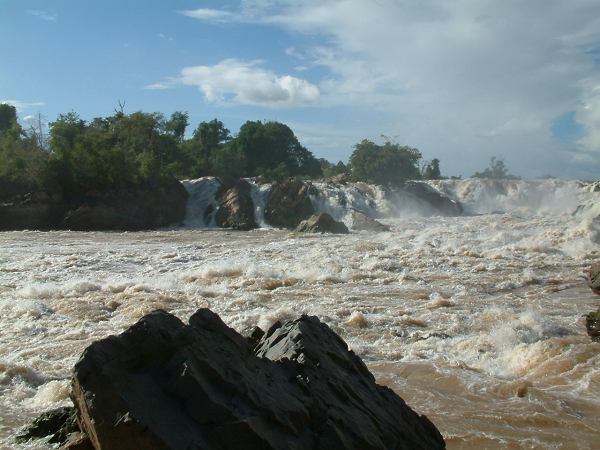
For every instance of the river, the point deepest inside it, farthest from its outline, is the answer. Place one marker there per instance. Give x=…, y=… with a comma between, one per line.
x=475, y=321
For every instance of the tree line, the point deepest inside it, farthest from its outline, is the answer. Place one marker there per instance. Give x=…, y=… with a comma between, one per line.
x=148, y=149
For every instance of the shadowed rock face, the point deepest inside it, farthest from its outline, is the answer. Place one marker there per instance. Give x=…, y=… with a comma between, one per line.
x=594, y=277
x=163, y=384
x=439, y=202
x=322, y=223
x=288, y=204
x=138, y=209
x=236, y=209
x=362, y=222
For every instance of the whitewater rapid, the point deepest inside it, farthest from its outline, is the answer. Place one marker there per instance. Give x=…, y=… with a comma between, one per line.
x=476, y=321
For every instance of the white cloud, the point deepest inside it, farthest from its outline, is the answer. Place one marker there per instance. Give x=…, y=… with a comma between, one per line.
x=238, y=82
x=461, y=80
x=21, y=106
x=589, y=116
x=213, y=15
x=44, y=15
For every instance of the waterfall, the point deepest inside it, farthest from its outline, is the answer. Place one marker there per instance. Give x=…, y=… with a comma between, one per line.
x=202, y=203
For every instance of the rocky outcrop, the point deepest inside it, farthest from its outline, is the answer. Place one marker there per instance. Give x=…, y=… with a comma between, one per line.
x=236, y=208
x=288, y=203
x=37, y=211
x=166, y=385
x=362, y=222
x=592, y=320
x=136, y=209
x=139, y=209
x=322, y=223
x=439, y=203
x=594, y=278
x=592, y=325
x=56, y=424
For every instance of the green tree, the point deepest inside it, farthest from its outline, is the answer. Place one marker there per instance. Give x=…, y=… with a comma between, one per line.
x=8, y=120
x=387, y=164
x=177, y=125
x=272, y=147
x=496, y=170
x=432, y=170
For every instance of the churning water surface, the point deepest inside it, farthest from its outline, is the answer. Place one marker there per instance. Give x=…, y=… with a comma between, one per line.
x=475, y=321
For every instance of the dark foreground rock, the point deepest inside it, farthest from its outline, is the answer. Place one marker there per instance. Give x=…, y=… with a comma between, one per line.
x=166, y=385
x=439, y=203
x=322, y=223
x=236, y=208
x=288, y=203
x=362, y=222
x=58, y=424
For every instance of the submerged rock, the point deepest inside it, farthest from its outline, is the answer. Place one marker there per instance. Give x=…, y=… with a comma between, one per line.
x=165, y=385
x=322, y=223
x=362, y=222
x=288, y=203
x=236, y=208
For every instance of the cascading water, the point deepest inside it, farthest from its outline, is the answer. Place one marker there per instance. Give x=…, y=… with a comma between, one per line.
x=202, y=202
x=477, y=196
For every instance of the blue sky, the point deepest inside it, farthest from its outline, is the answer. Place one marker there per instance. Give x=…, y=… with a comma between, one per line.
x=462, y=80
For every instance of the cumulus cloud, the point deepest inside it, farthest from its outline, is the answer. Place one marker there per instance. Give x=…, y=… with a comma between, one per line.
x=238, y=82
x=461, y=80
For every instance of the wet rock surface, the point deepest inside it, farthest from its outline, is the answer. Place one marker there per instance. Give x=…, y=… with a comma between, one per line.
x=56, y=424
x=236, y=208
x=163, y=384
x=362, y=222
x=288, y=203
x=140, y=209
x=592, y=325
x=129, y=210
x=438, y=202
x=594, y=278
x=322, y=223
x=592, y=319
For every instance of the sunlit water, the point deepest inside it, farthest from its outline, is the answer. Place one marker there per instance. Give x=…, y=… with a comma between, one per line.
x=475, y=321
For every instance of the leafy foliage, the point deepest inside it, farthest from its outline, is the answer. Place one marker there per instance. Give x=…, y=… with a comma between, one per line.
x=496, y=170
x=432, y=170
x=387, y=164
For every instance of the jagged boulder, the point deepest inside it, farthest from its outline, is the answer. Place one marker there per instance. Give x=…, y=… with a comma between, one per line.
x=236, y=208
x=322, y=223
x=165, y=385
x=133, y=210
x=56, y=424
x=439, y=203
x=362, y=222
x=288, y=203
